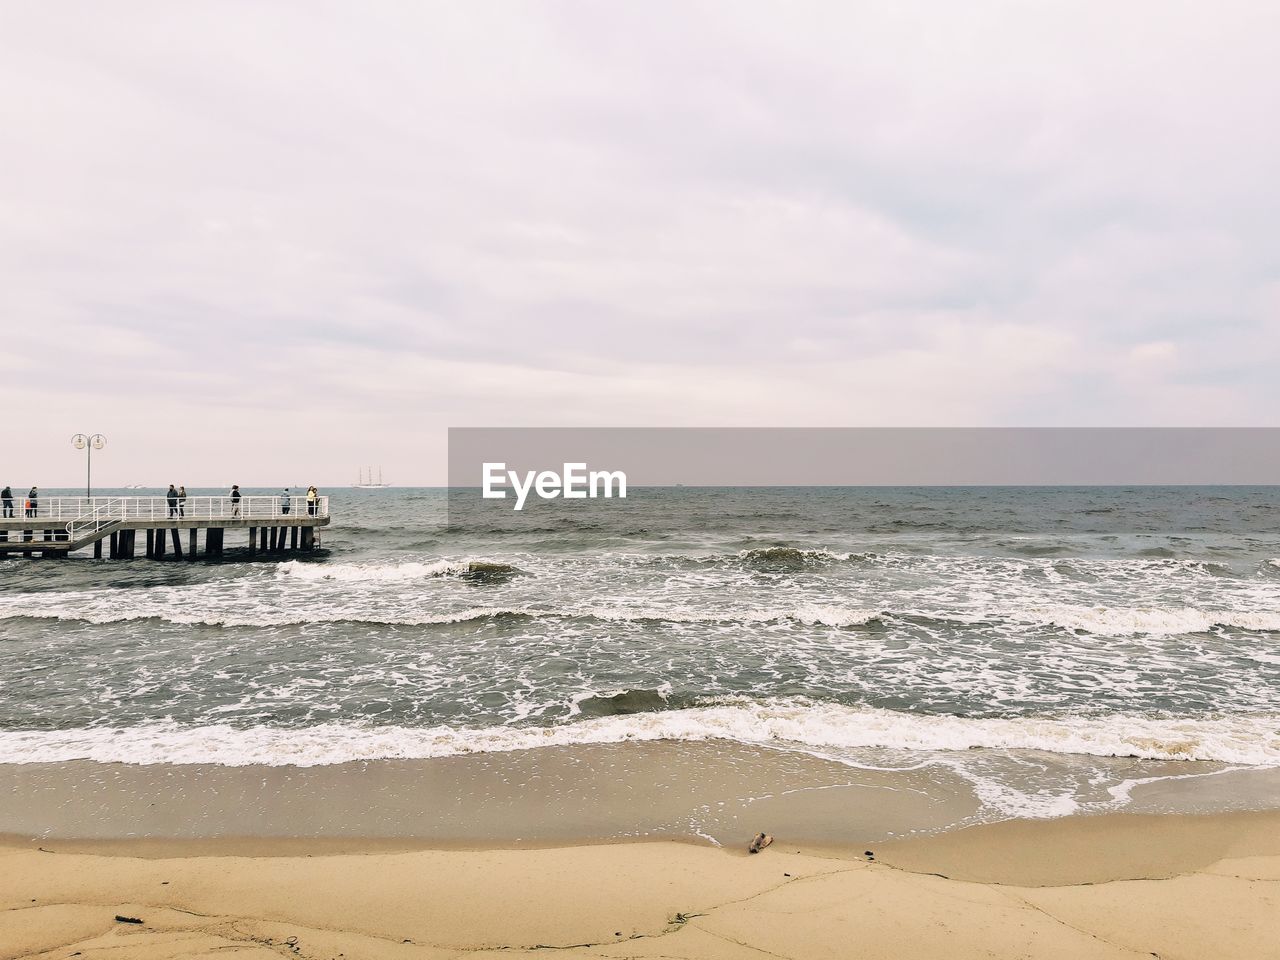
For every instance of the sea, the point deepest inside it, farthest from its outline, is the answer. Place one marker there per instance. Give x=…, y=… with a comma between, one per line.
x=1022, y=638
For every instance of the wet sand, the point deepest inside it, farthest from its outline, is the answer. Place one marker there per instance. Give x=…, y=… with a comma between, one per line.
x=716, y=792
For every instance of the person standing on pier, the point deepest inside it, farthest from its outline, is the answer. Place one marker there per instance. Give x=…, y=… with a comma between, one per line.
x=33, y=502
x=235, y=500
x=285, y=502
x=313, y=499
x=172, y=497
x=182, y=500
x=6, y=497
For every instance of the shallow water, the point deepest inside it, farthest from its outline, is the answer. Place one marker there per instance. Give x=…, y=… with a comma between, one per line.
x=958, y=628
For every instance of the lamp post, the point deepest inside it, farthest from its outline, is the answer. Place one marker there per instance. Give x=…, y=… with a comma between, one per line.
x=88, y=443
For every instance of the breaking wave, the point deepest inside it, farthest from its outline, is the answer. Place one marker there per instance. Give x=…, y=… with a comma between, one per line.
x=1098, y=620
x=787, y=558
x=638, y=716
x=394, y=572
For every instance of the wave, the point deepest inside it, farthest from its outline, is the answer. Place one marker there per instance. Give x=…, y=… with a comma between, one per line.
x=395, y=572
x=1030, y=556
x=1128, y=621
x=276, y=620
x=793, y=724
x=786, y=558
x=812, y=615
x=1097, y=621
x=621, y=703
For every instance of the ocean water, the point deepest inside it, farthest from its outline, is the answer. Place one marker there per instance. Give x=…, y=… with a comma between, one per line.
x=1021, y=637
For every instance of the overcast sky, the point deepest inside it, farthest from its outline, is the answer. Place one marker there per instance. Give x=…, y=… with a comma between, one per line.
x=270, y=242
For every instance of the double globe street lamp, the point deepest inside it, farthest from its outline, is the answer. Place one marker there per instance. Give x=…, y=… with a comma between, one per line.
x=88, y=443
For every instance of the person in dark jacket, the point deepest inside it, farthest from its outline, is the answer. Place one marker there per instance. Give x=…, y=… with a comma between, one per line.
x=286, y=502
x=235, y=500
x=6, y=498
x=182, y=501
x=33, y=502
x=172, y=497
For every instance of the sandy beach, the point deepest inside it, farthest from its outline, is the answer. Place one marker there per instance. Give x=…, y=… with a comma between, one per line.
x=590, y=852
x=1119, y=886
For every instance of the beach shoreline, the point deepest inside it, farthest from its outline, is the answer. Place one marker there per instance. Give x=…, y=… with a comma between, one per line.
x=376, y=860
x=714, y=792
x=1107, y=886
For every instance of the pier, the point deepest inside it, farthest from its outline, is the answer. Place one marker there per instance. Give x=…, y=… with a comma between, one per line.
x=60, y=526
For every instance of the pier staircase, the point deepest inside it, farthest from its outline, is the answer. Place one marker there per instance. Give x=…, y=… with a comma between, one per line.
x=83, y=531
x=86, y=530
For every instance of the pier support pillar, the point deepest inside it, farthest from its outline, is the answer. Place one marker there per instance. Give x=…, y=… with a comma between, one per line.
x=129, y=537
x=151, y=544
x=114, y=552
x=262, y=539
x=177, y=543
x=97, y=549
x=159, y=545
x=253, y=540
x=293, y=538
x=191, y=544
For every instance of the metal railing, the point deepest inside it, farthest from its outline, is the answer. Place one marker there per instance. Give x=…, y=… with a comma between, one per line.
x=110, y=512
x=82, y=511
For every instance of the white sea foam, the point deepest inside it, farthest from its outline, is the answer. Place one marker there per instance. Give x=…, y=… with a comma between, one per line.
x=833, y=616
x=1126, y=621
x=830, y=728
x=372, y=572
x=266, y=618
x=812, y=614
x=1100, y=621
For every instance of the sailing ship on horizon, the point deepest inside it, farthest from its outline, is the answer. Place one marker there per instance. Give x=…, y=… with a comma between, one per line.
x=365, y=481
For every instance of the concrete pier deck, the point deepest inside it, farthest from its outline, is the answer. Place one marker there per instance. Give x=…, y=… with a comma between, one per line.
x=59, y=526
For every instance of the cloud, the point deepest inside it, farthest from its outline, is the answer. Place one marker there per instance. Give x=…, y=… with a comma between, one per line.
x=396, y=219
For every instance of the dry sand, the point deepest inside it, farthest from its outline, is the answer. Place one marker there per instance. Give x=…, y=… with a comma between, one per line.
x=1174, y=887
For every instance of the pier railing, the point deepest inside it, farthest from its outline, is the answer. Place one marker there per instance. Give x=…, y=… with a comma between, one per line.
x=94, y=510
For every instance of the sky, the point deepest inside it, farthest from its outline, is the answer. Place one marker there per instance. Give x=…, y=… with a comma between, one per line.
x=269, y=243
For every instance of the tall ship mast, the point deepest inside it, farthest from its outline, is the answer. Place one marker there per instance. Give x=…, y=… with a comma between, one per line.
x=366, y=482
